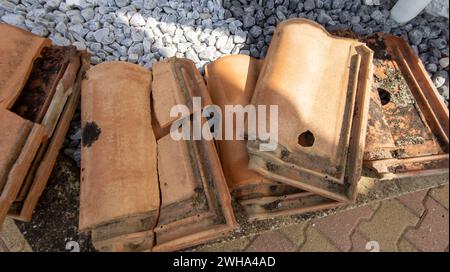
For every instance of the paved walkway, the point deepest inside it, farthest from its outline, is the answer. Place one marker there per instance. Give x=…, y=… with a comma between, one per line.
x=11, y=239
x=414, y=222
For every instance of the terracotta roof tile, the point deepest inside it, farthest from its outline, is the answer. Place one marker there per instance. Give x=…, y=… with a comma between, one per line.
x=178, y=80
x=231, y=81
x=199, y=212
x=320, y=130
x=28, y=150
x=408, y=122
x=118, y=168
x=18, y=50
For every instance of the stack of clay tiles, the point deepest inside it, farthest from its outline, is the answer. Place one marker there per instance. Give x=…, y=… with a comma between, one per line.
x=336, y=118
x=39, y=92
x=231, y=81
x=321, y=90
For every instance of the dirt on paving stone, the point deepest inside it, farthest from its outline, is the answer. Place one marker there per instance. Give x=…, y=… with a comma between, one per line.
x=55, y=221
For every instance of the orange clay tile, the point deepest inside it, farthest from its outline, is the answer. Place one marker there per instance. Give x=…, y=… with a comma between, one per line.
x=26, y=144
x=119, y=182
x=18, y=50
x=70, y=83
x=231, y=81
x=270, y=188
x=197, y=213
x=408, y=121
x=15, y=131
x=201, y=210
x=20, y=144
x=176, y=82
x=175, y=171
x=40, y=99
x=321, y=88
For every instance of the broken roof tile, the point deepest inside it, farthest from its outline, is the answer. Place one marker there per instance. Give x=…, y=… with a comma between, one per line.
x=408, y=122
x=37, y=94
x=62, y=110
x=291, y=204
x=17, y=168
x=130, y=242
x=23, y=57
x=15, y=131
x=176, y=82
x=119, y=161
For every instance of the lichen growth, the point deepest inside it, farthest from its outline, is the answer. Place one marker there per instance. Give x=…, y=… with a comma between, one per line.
x=395, y=83
x=410, y=140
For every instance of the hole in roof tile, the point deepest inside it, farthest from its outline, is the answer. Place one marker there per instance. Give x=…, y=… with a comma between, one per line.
x=384, y=95
x=306, y=139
